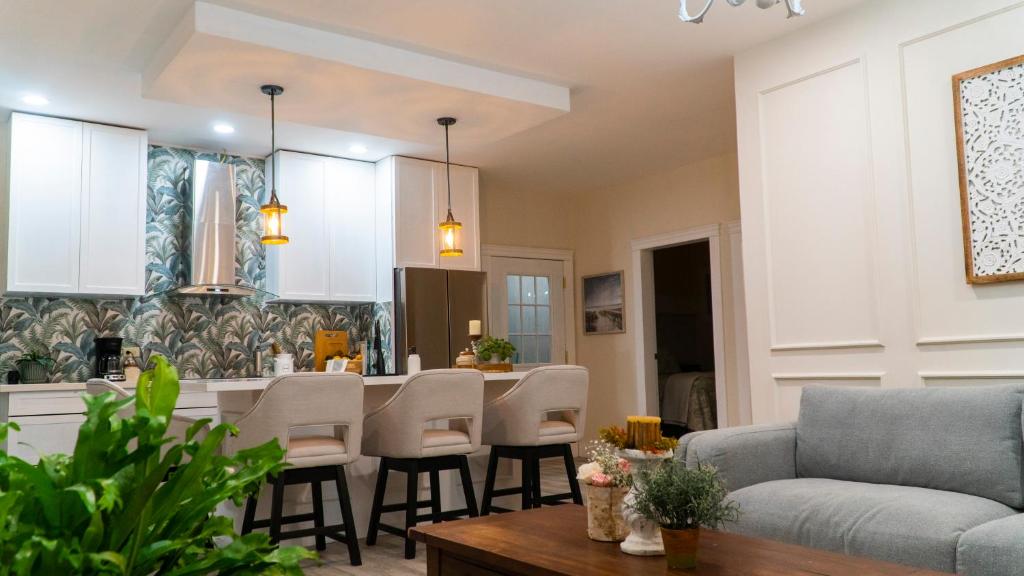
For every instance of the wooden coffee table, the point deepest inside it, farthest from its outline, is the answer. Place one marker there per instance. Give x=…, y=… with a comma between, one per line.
x=553, y=542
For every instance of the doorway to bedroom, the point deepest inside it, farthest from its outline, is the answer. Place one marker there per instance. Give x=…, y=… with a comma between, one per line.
x=676, y=302
x=685, y=338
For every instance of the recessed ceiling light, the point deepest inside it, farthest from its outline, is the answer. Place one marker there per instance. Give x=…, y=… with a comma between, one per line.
x=35, y=100
x=357, y=149
x=222, y=128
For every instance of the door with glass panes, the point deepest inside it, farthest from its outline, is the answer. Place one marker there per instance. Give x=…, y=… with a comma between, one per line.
x=527, y=308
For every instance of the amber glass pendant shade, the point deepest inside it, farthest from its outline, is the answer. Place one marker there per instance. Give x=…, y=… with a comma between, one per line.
x=273, y=221
x=451, y=236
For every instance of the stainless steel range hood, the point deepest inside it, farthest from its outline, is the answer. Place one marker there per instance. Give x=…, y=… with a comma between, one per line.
x=213, y=232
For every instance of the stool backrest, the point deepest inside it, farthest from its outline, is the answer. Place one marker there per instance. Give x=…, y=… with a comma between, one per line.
x=556, y=391
x=428, y=396
x=303, y=400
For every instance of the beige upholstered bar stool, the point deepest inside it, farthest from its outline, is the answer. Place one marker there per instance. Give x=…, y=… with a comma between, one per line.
x=398, y=432
x=539, y=417
x=288, y=405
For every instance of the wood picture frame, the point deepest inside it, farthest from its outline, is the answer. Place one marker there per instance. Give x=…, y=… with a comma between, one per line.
x=604, y=303
x=969, y=101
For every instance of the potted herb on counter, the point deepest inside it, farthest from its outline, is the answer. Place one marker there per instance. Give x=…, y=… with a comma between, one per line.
x=495, y=350
x=682, y=500
x=34, y=367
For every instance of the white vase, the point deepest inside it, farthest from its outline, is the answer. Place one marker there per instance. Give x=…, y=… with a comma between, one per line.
x=644, y=535
x=604, y=513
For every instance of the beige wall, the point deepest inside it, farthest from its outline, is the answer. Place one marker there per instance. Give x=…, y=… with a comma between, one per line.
x=599, y=226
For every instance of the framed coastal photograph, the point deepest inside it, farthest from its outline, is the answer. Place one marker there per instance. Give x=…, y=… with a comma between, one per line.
x=603, y=304
x=989, y=116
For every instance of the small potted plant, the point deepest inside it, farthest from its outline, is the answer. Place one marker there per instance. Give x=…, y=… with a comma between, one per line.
x=682, y=500
x=607, y=480
x=34, y=366
x=495, y=350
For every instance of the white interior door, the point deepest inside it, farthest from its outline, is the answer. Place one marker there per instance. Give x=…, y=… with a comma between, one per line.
x=527, y=307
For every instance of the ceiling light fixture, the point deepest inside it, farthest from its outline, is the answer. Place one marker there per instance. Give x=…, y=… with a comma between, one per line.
x=35, y=100
x=273, y=211
x=357, y=149
x=222, y=128
x=451, y=229
x=794, y=6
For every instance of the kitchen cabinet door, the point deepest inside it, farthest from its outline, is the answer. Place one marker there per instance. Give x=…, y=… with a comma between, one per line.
x=113, y=219
x=416, y=209
x=351, y=228
x=299, y=270
x=465, y=208
x=44, y=205
x=51, y=434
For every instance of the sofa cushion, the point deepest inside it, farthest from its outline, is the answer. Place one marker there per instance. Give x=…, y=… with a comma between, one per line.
x=992, y=549
x=902, y=524
x=959, y=439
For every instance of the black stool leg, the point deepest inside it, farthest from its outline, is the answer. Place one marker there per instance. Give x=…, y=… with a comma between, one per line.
x=318, y=513
x=467, y=486
x=378, y=502
x=250, y=514
x=411, y=507
x=435, y=496
x=276, y=506
x=527, y=490
x=570, y=471
x=535, y=477
x=351, y=539
x=492, y=471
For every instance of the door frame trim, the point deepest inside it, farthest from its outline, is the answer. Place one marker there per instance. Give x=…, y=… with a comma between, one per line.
x=641, y=303
x=568, y=293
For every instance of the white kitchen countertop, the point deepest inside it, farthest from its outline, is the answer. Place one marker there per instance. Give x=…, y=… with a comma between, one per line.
x=233, y=384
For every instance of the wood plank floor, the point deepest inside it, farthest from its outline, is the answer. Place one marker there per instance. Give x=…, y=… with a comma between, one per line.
x=385, y=559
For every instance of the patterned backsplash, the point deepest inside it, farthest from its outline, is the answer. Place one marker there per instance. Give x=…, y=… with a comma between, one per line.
x=204, y=336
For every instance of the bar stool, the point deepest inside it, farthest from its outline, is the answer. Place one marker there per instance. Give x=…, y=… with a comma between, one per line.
x=288, y=404
x=539, y=417
x=176, y=428
x=398, y=433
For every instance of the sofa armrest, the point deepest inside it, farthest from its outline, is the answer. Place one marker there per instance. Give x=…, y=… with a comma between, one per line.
x=745, y=455
x=993, y=549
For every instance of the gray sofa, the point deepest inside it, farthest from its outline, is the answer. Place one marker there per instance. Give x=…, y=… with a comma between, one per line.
x=926, y=477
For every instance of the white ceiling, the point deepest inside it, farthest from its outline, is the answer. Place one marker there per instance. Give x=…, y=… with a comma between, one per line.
x=648, y=92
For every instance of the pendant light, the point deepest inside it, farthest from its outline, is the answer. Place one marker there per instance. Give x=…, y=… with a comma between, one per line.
x=451, y=229
x=273, y=211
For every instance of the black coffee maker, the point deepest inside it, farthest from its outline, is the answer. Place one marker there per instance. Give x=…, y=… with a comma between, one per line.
x=108, y=359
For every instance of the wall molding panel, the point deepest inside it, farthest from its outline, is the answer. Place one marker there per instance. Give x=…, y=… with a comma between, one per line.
x=849, y=194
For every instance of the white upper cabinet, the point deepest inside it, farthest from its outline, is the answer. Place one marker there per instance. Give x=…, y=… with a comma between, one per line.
x=299, y=270
x=415, y=205
x=113, y=211
x=351, y=225
x=418, y=197
x=331, y=253
x=76, y=203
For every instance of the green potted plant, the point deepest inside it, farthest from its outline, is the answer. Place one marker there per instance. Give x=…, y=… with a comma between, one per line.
x=34, y=367
x=495, y=350
x=131, y=501
x=682, y=500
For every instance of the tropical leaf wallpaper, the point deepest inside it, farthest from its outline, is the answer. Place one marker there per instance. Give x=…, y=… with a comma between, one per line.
x=204, y=336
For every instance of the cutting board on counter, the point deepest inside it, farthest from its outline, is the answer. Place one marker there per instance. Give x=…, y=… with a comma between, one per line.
x=327, y=344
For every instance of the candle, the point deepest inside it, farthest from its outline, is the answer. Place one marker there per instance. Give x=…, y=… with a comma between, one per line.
x=475, y=328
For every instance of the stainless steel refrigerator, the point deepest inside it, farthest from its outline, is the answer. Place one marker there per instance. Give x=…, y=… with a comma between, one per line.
x=433, y=308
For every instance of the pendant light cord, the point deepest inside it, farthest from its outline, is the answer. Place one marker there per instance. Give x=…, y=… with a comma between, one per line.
x=273, y=149
x=448, y=168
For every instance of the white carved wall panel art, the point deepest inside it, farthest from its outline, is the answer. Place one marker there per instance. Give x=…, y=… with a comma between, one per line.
x=989, y=105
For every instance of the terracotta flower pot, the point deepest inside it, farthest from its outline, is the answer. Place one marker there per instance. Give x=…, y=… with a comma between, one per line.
x=604, y=513
x=681, y=547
